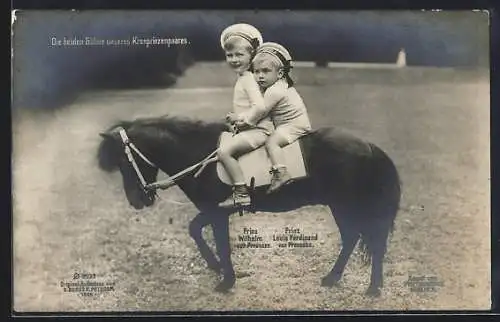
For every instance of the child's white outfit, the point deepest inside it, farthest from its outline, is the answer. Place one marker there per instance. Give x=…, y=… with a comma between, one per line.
x=288, y=112
x=249, y=105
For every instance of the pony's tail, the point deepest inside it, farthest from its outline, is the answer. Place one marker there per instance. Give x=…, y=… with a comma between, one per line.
x=383, y=204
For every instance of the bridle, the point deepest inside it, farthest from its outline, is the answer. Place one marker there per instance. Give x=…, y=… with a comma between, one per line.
x=149, y=188
x=128, y=147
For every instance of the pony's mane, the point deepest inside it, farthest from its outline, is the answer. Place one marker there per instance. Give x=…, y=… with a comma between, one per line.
x=173, y=124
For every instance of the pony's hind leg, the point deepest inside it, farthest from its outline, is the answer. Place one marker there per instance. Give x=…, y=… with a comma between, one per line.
x=195, y=231
x=377, y=249
x=376, y=278
x=349, y=238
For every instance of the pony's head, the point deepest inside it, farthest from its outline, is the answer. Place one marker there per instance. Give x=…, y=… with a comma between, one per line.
x=112, y=157
x=172, y=143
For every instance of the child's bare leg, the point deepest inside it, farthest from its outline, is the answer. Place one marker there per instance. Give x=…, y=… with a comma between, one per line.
x=227, y=156
x=274, y=149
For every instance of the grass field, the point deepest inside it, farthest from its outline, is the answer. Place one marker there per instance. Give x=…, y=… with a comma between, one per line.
x=71, y=217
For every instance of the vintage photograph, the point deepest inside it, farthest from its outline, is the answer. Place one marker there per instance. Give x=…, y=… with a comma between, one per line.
x=281, y=160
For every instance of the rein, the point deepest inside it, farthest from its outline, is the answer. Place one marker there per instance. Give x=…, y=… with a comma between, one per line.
x=171, y=181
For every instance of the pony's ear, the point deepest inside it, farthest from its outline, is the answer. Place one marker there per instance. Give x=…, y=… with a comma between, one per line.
x=106, y=135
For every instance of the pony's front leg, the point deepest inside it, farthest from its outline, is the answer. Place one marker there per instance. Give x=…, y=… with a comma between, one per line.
x=195, y=231
x=221, y=234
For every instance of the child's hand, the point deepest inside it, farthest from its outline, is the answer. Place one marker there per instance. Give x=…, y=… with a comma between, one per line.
x=231, y=117
x=241, y=125
x=231, y=127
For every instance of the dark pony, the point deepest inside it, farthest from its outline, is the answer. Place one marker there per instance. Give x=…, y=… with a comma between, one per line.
x=355, y=178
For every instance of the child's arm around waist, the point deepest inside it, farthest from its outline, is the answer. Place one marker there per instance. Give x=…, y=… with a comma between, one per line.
x=261, y=105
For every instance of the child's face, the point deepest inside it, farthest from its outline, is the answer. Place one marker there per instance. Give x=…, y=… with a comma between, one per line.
x=266, y=73
x=239, y=58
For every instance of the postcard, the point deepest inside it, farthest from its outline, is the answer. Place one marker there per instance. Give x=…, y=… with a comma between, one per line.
x=203, y=160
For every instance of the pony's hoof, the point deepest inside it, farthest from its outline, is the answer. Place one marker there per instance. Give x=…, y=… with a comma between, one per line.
x=329, y=281
x=373, y=292
x=225, y=285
